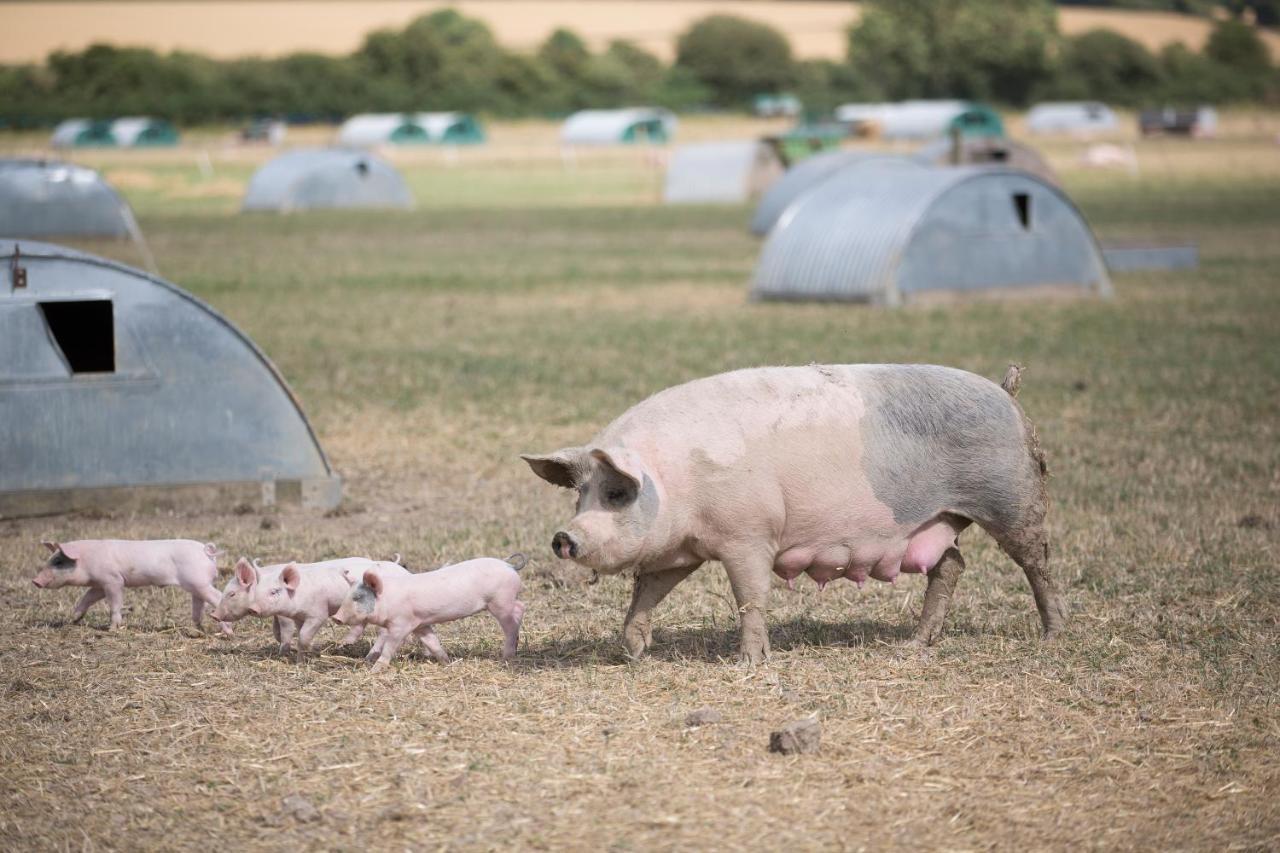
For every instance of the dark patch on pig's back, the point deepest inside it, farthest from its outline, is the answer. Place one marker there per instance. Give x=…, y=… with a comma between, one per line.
x=937, y=439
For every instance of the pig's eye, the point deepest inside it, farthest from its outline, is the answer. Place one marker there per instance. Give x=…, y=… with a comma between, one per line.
x=231, y=595
x=275, y=592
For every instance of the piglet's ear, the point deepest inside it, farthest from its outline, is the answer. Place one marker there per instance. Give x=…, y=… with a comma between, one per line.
x=52, y=546
x=246, y=574
x=374, y=582
x=291, y=577
x=71, y=552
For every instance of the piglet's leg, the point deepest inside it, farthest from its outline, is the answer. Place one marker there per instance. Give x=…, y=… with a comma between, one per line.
x=509, y=617
x=431, y=642
x=284, y=630
x=115, y=600
x=376, y=648
x=356, y=632
x=391, y=644
x=91, y=596
x=210, y=596
x=307, y=634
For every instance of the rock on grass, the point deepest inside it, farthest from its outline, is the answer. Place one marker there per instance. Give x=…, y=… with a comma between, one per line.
x=797, y=737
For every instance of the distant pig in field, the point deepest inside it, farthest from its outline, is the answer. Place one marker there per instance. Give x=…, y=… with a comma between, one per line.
x=414, y=604
x=300, y=596
x=848, y=471
x=107, y=566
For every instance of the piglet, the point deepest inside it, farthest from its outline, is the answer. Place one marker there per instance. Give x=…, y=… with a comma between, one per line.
x=413, y=605
x=107, y=566
x=302, y=596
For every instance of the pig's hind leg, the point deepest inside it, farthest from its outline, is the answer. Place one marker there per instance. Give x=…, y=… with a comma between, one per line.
x=91, y=596
x=937, y=597
x=1029, y=548
x=431, y=642
x=509, y=616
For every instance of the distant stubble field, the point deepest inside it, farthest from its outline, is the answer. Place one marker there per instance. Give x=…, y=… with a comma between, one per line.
x=522, y=307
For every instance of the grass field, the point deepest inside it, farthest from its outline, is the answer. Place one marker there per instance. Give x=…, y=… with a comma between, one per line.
x=524, y=305
x=230, y=28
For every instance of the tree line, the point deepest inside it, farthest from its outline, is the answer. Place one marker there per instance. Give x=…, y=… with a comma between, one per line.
x=1008, y=52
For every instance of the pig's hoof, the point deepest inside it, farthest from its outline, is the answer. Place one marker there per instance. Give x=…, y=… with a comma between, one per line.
x=380, y=666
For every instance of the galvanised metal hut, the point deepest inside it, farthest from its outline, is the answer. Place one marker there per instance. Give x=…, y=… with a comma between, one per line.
x=618, y=127
x=922, y=119
x=1076, y=118
x=370, y=129
x=116, y=386
x=130, y=132
x=316, y=178
x=47, y=198
x=811, y=172
x=82, y=133
x=889, y=235
x=720, y=172
x=452, y=128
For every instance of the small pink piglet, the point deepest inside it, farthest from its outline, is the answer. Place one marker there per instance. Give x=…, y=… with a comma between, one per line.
x=107, y=566
x=414, y=604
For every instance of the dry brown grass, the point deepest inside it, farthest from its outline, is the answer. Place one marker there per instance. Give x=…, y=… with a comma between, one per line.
x=430, y=348
x=230, y=28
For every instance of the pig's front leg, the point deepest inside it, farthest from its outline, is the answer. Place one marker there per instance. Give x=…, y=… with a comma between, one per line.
x=376, y=648
x=307, y=634
x=210, y=596
x=91, y=596
x=356, y=632
x=115, y=600
x=391, y=643
x=650, y=588
x=750, y=573
x=431, y=642
x=284, y=630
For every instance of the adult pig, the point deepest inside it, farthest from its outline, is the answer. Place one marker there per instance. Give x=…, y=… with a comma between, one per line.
x=107, y=566
x=842, y=471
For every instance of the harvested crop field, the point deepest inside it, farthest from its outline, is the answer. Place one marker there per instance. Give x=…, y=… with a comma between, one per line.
x=430, y=348
x=231, y=28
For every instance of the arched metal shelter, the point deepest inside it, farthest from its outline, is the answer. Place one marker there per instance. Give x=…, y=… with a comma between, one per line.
x=48, y=198
x=316, y=178
x=922, y=119
x=1079, y=118
x=614, y=127
x=720, y=172
x=889, y=235
x=370, y=129
x=811, y=172
x=382, y=129
x=130, y=132
x=115, y=384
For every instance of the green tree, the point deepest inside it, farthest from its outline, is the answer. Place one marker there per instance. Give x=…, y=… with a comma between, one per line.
x=735, y=58
x=985, y=49
x=1106, y=66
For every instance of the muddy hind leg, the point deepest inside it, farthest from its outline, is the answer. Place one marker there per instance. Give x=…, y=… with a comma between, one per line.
x=937, y=597
x=1029, y=548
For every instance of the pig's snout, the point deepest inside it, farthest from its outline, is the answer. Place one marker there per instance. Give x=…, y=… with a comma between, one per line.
x=255, y=610
x=38, y=582
x=337, y=617
x=564, y=546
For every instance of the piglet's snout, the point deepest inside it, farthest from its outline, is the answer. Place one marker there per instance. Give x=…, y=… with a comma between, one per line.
x=564, y=546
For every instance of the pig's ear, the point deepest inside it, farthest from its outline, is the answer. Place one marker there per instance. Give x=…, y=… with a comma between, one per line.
x=52, y=546
x=566, y=468
x=291, y=577
x=622, y=462
x=246, y=574
x=374, y=582
x=71, y=553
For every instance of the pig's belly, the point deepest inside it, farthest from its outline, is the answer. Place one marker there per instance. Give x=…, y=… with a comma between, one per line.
x=857, y=558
